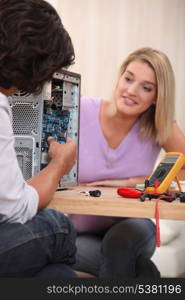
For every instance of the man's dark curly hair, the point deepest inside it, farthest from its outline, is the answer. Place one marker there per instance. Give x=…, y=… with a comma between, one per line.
x=33, y=44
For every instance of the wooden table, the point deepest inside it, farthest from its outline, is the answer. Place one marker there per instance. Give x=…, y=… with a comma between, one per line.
x=72, y=201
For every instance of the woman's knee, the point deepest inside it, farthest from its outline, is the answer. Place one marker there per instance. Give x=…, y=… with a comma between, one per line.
x=131, y=234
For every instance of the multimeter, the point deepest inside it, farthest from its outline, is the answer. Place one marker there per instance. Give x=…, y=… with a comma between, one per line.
x=165, y=172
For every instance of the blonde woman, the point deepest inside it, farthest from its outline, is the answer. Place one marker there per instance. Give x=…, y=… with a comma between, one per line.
x=119, y=144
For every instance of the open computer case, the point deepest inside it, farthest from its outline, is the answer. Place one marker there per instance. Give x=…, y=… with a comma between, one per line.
x=53, y=112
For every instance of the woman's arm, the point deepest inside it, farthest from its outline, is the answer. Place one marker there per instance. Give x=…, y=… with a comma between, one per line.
x=176, y=143
x=130, y=182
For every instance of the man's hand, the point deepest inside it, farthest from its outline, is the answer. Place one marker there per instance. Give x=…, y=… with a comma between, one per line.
x=64, y=155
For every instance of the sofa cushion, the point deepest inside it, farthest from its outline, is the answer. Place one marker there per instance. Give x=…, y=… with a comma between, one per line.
x=170, y=230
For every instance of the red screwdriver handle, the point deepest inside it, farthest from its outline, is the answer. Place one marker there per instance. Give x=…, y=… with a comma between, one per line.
x=128, y=193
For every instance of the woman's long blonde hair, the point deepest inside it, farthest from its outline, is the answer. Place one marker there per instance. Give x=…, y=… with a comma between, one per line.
x=157, y=121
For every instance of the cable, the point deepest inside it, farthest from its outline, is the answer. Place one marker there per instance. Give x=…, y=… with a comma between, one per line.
x=158, y=241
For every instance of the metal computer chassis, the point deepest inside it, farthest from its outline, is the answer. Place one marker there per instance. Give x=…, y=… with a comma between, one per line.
x=55, y=111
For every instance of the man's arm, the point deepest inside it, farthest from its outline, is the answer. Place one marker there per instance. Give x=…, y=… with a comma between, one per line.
x=62, y=157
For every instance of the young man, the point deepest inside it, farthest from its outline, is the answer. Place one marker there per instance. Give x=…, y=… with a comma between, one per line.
x=35, y=242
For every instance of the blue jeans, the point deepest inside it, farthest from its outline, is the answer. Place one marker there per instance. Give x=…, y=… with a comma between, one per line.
x=42, y=247
x=122, y=251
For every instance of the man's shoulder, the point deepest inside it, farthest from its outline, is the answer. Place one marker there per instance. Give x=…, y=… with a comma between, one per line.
x=3, y=99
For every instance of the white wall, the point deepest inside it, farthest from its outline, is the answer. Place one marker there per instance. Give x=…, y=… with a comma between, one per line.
x=105, y=31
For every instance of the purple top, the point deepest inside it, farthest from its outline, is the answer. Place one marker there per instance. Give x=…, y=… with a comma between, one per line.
x=97, y=161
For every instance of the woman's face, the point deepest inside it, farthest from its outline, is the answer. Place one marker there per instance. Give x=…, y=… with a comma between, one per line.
x=136, y=89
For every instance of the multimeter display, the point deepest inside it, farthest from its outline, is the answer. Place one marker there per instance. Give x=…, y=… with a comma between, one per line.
x=163, y=169
x=165, y=172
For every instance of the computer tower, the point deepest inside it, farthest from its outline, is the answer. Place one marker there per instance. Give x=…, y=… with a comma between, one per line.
x=53, y=112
